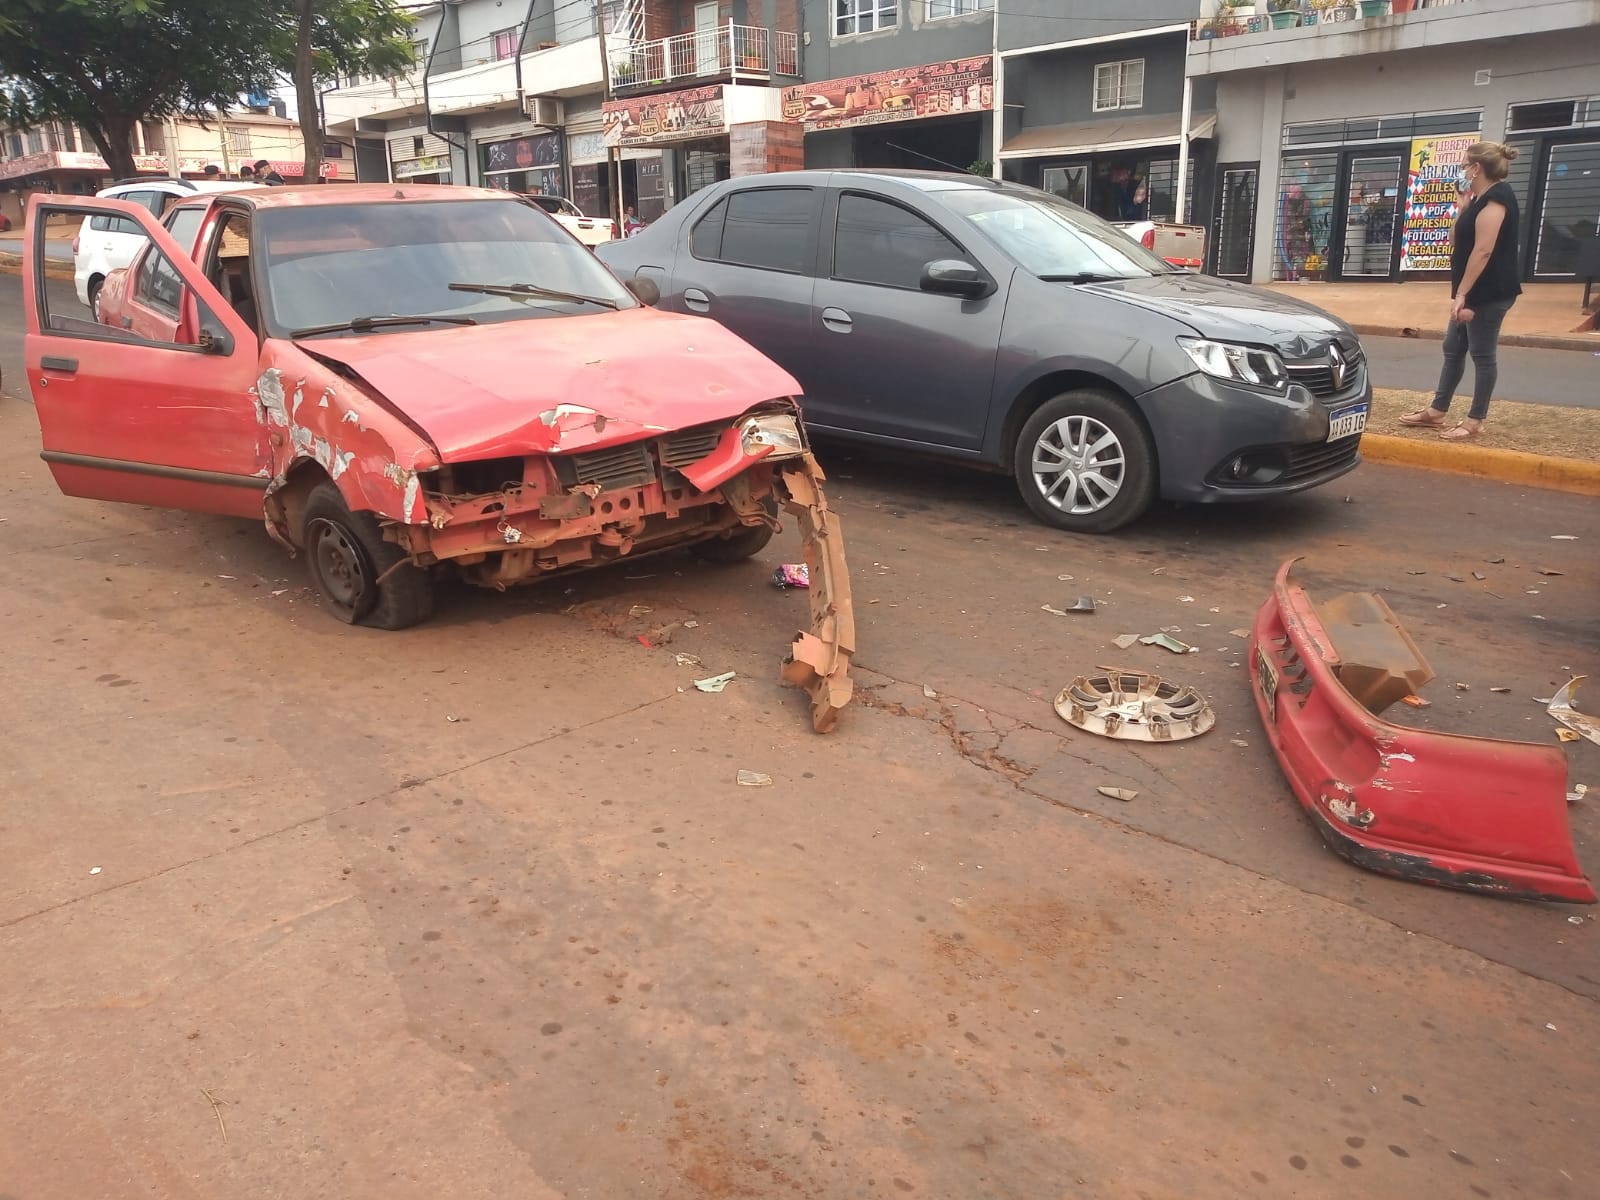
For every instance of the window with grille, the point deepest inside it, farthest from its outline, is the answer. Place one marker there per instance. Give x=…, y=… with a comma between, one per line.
x=864, y=16
x=238, y=138
x=957, y=8
x=154, y=137
x=1119, y=85
x=505, y=44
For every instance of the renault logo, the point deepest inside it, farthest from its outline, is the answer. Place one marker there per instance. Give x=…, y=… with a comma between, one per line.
x=1341, y=368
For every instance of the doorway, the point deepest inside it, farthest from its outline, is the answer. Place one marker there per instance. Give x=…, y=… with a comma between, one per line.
x=1369, y=211
x=1233, y=228
x=707, y=56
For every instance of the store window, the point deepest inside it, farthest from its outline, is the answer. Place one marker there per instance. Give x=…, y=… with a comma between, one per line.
x=957, y=8
x=505, y=44
x=881, y=243
x=1070, y=183
x=1304, y=223
x=864, y=16
x=769, y=228
x=1119, y=85
x=1571, y=208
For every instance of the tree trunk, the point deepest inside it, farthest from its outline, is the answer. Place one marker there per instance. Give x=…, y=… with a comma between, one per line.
x=305, y=94
x=115, y=143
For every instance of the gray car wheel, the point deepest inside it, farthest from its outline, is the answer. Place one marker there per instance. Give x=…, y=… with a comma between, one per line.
x=1084, y=462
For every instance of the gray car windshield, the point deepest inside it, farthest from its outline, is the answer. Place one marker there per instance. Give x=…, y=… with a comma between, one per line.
x=329, y=264
x=1054, y=239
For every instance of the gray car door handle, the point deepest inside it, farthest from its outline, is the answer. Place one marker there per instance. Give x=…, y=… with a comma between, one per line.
x=696, y=299
x=837, y=320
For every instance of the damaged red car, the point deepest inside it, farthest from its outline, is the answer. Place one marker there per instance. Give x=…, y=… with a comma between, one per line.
x=404, y=381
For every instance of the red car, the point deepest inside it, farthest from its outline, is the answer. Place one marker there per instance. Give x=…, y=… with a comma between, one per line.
x=405, y=380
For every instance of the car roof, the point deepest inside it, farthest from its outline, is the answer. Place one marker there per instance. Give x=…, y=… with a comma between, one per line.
x=309, y=195
x=178, y=187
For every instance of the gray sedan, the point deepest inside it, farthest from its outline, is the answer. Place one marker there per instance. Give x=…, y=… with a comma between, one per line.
x=994, y=323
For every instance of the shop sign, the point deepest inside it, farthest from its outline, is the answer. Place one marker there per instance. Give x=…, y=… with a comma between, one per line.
x=674, y=117
x=937, y=90
x=523, y=153
x=412, y=167
x=1429, y=230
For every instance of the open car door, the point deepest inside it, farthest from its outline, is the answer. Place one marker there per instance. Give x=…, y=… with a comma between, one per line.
x=163, y=414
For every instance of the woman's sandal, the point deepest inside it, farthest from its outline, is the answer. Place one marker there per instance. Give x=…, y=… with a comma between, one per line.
x=1424, y=418
x=1462, y=433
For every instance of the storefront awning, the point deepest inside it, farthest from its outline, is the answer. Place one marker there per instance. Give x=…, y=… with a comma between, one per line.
x=1097, y=137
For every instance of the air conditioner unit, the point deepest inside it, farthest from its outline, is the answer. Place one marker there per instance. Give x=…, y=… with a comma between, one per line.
x=544, y=110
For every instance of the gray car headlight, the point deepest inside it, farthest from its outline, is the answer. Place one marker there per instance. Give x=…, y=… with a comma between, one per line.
x=1237, y=364
x=778, y=430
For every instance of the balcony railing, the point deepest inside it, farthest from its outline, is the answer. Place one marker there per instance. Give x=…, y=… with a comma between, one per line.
x=728, y=51
x=1258, y=16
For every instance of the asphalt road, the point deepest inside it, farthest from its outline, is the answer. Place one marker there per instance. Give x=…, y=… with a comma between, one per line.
x=1565, y=377
x=14, y=243
x=478, y=909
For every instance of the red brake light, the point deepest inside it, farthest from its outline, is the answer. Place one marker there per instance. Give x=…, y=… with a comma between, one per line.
x=1148, y=241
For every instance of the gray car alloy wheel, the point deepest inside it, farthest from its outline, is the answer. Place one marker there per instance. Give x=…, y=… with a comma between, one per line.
x=1079, y=465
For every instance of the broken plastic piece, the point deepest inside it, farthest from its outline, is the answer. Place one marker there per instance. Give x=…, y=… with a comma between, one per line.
x=1167, y=642
x=1083, y=604
x=792, y=575
x=929, y=693
x=1566, y=735
x=1124, y=640
x=1463, y=687
x=1502, y=691
x=754, y=779
x=1580, y=723
x=689, y=660
x=819, y=658
x=1475, y=813
x=640, y=610
x=715, y=683
x=1416, y=702
x=1479, y=575
x=1135, y=706
x=1116, y=793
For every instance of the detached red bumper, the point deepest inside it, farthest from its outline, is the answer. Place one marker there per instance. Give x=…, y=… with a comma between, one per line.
x=1462, y=812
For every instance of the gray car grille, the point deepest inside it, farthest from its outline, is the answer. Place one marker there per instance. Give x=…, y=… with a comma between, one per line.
x=1318, y=375
x=689, y=446
x=616, y=467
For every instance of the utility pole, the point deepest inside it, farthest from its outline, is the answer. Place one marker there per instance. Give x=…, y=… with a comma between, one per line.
x=227, y=156
x=613, y=163
x=997, y=92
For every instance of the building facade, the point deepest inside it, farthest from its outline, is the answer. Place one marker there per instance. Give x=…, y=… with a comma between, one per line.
x=58, y=157
x=1340, y=134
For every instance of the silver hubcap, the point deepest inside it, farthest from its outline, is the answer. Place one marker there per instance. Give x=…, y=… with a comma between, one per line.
x=1079, y=465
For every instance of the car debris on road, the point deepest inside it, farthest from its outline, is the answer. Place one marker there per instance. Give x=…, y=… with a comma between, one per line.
x=1475, y=813
x=1135, y=706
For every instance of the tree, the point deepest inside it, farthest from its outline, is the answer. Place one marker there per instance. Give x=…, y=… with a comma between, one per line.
x=329, y=38
x=105, y=65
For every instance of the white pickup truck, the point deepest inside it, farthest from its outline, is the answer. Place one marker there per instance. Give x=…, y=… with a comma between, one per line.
x=1180, y=245
x=591, y=231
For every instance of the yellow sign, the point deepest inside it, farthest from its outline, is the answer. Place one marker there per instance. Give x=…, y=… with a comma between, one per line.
x=1431, y=209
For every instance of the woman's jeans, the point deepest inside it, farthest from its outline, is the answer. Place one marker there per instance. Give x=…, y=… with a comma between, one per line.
x=1480, y=337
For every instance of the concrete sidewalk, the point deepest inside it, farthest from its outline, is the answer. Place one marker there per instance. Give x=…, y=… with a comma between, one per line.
x=1546, y=315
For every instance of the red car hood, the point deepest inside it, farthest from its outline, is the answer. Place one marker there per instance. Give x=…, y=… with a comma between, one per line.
x=560, y=384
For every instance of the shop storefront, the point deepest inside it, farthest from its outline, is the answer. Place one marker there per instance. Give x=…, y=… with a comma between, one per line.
x=530, y=164
x=592, y=181
x=417, y=156
x=930, y=117
x=691, y=126
x=1557, y=177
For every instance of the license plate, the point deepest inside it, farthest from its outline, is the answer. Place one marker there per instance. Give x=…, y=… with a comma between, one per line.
x=1347, y=422
x=1267, y=676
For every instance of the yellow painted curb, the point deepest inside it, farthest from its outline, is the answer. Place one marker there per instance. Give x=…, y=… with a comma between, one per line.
x=1507, y=466
x=11, y=264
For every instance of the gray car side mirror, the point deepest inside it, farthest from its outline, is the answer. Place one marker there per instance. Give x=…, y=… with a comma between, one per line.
x=955, y=277
x=646, y=290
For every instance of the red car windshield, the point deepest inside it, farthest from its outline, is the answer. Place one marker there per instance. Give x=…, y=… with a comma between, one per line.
x=334, y=263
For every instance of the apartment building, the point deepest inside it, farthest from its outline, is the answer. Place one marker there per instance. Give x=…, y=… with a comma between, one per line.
x=1342, y=127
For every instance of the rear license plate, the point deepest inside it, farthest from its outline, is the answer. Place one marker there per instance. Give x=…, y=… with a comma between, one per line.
x=1267, y=677
x=1347, y=422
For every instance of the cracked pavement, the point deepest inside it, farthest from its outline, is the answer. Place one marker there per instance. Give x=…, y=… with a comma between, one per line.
x=479, y=909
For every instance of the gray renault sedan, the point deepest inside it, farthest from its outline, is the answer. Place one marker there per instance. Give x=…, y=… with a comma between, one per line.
x=1001, y=325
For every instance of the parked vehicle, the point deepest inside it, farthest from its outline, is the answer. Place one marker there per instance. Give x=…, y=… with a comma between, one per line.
x=591, y=231
x=1176, y=245
x=106, y=243
x=403, y=382
x=1003, y=326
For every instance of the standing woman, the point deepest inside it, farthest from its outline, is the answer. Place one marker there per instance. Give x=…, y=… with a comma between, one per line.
x=1484, y=283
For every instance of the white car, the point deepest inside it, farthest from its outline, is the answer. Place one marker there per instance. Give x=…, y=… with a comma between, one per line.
x=105, y=244
x=591, y=231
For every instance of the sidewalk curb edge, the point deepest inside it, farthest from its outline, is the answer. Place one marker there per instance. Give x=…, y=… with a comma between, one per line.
x=1506, y=466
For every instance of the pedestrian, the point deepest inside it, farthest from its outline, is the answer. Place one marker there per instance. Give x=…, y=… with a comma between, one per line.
x=247, y=173
x=212, y=171
x=265, y=174
x=1485, y=282
x=630, y=222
